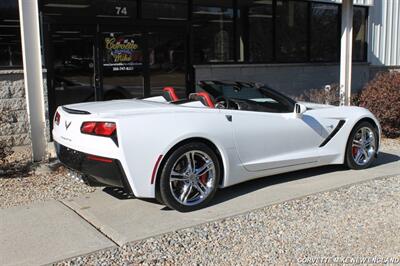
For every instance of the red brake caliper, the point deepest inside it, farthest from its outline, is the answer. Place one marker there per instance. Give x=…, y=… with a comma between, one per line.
x=354, y=151
x=203, y=178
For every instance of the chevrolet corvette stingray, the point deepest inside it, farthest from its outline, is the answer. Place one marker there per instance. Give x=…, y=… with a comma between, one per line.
x=181, y=151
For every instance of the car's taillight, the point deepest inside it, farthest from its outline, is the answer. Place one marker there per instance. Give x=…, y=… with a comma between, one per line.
x=88, y=127
x=57, y=118
x=105, y=129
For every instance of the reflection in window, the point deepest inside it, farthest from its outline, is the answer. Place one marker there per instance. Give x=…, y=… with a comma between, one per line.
x=359, y=34
x=291, y=31
x=213, y=31
x=167, y=62
x=324, y=32
x=165, y=9
x=10, y=40
x=255, y=26
x=73, y=64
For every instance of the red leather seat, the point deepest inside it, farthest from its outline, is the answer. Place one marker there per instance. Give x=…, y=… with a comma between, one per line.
x=203, y=97
x=170, y=94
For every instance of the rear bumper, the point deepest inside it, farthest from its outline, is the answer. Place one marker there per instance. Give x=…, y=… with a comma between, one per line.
x=97, y=171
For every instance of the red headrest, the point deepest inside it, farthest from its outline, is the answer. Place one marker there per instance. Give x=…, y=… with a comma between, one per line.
x=170, y=95
x=204, y=97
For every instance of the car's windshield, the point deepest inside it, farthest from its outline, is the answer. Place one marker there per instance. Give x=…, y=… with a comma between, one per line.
x=238, y=90
x=249, y=92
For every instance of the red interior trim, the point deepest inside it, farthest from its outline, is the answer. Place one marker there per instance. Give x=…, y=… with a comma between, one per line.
x=153, y=175
x=208, y=99
x=172, y=93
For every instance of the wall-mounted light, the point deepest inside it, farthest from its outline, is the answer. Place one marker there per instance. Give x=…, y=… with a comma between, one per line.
x=111, y=16
x=204, y=12
x=68, y=31
x=263, y=2
x=67, y=5
x=260, y=16
x=177, y=19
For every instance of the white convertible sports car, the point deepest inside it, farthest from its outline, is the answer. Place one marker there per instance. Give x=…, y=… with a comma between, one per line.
x=181, y=151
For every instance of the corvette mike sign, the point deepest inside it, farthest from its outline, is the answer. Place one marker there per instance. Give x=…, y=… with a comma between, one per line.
x=122, y=53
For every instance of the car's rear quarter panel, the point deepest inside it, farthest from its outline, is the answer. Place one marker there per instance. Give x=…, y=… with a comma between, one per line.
x=144, y=137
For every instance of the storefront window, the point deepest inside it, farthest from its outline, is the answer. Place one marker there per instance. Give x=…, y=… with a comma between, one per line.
x=213, y=31
x=324, y=32
x=167, y=62
x=165, y=9
x=359, y=34
x=291, y=31
x=73, y=64
x=255, y=29
x=10, y=37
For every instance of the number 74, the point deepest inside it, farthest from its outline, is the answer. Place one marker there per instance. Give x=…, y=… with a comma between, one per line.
x=121, y=10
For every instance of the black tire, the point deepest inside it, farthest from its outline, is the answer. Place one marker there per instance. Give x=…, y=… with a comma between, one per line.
x=166, y=193
x=350, y=161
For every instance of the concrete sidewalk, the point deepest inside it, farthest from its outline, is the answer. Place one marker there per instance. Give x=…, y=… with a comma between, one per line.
x=51, y=231
x=46, y=232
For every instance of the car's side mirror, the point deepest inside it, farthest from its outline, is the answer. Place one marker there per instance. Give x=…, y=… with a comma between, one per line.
x=299, y=110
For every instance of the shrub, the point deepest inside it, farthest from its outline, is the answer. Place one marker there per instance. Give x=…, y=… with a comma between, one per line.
x=382, y=97
x=324, y=96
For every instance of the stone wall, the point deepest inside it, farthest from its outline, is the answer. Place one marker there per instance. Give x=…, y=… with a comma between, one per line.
x=14, y=130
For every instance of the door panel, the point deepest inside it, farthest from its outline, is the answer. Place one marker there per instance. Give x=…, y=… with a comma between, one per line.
x=275, y=140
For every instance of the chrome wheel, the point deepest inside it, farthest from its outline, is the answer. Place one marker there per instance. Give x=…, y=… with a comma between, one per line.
x=363, y=146
x=192, y=178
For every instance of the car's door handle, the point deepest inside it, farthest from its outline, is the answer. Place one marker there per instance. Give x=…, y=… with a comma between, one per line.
x=229, y=118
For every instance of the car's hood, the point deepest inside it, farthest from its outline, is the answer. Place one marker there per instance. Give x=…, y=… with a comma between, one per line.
x=316, y=105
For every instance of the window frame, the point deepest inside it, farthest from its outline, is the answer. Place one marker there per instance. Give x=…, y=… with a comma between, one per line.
x=308, y=59
x=138, y=20
x=233, y=50
x=14, y=45
x=366, y=18
x=338, y=34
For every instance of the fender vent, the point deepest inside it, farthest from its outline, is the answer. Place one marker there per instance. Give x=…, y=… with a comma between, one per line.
x=75, y=112
x=333, y=133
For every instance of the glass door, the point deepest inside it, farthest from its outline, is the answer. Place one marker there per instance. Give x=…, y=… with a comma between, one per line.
x=123, y=65
x=167, y=61
x=72, y=65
